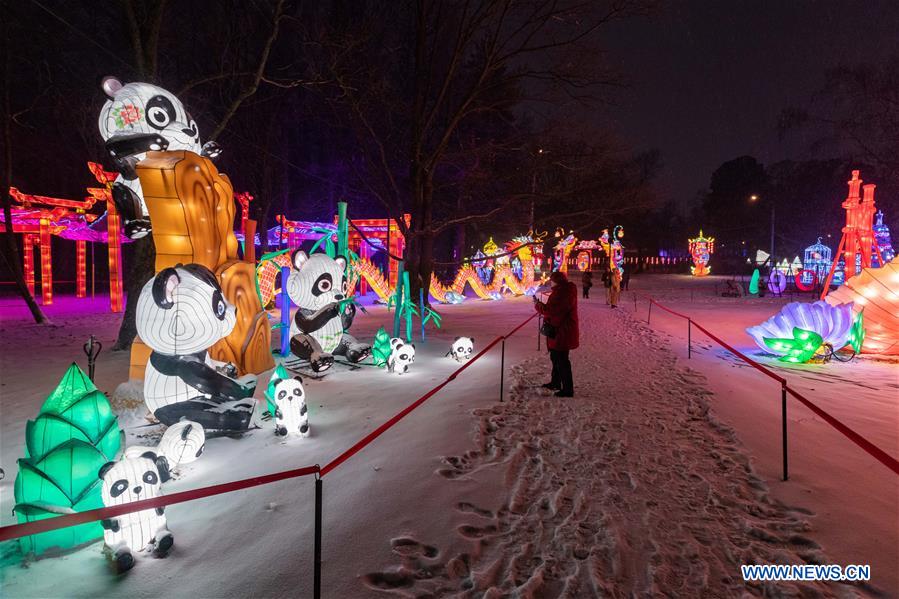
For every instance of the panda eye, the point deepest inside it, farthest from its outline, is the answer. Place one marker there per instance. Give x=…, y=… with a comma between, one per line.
x=150, y=477
x=218, y=305
x=118, y=487
x=282, y=394
x=404, y=357
x=324, y=285
x=297, y=391
x=160, y=112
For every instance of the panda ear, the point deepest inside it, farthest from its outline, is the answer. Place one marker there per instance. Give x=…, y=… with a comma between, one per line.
x=276, y=382
x=162, y=465
x=298, y=378
x=456, y=339
x=298, y=259
x=164, y=288
x=104, y=469
x=341, y=261
x=186, y=431
x=111, y=86
x=150, y=455
x=472, y=339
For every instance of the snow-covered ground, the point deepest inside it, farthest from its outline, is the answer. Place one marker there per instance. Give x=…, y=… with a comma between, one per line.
x=634, y=487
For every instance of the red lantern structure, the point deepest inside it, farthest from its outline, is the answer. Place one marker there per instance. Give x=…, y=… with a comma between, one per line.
x=858, y=235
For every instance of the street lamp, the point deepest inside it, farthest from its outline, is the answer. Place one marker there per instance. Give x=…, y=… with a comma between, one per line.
x=754, y=198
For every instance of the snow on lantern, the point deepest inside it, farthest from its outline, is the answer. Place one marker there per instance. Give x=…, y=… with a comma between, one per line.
x=75, y=433
x=701, y=249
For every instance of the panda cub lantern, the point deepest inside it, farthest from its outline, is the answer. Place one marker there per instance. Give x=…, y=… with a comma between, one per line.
x=126, y=481
x=462, y=349
x=138, y=118
x=291, y=413
x=402, y=355
x=317, y=285
x=181, y=312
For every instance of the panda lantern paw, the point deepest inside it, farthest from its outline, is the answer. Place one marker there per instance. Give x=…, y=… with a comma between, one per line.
x=322, y=363
x=280, y=431
x=164, y=545
x=123, y=561
x=136, y=229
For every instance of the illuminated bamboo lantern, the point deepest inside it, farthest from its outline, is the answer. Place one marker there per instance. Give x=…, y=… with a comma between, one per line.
x=192, y=208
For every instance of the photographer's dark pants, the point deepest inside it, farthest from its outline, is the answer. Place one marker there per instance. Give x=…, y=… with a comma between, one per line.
x=561, y=376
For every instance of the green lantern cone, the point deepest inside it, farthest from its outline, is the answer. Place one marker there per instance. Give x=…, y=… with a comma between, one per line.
x=75, y=433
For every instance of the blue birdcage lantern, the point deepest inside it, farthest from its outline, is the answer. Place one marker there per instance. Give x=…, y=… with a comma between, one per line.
x=817, y=259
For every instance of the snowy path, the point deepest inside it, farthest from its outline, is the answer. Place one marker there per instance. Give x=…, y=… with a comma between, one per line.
x=631, y=489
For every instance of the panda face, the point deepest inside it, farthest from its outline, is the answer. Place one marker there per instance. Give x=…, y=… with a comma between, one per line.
x=317, y=280
x=462, y=348
x=183, y=311
x=402, y=356
x=142, y=108
x=288, y=391
x=130, y=479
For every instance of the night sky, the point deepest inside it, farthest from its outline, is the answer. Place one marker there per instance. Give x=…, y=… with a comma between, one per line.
x=708, y=79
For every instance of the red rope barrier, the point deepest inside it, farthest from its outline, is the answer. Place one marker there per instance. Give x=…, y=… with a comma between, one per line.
x=872, y=450
x=875, y=452
x=32, y=528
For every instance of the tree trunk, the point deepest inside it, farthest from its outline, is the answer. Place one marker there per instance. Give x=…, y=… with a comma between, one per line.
x=12, y=250
x=141, y=270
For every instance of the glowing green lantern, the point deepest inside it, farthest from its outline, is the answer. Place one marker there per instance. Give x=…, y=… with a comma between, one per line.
x=754, y=282
x=799, y=349
x=75, y=433
x=857, y=333
x=380, y=350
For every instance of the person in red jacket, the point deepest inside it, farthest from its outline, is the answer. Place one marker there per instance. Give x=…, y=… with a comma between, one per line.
x=560, y=311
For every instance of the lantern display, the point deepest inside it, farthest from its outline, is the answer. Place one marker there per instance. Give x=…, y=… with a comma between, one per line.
x=583, y=261
x=318, y=286
x=126, y=481
x=777, y=281
x=801, y=330
x=461, y=349
x=816, y=262
x=701, y=248
x=754, y=282
x=883, y=241
x=288, y=398
x=181, y=312
x=402, y=355
x=876, y=291
x=74, y=434
x=182, y=443
x=380, y=350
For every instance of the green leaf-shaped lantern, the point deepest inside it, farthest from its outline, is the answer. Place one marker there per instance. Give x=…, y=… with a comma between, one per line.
x=75, y=433
x=799, y=349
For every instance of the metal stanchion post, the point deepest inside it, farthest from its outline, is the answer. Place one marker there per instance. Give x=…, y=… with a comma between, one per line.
x=539, y=326
x=317, y=542
x=502, y=369
x=783, y=415
x=689, y=339
x=649, y=316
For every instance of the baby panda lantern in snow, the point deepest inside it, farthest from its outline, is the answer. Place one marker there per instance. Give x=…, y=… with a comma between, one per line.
x=138, y=118
x=126, y=481
x=318, y=286
x=181, y=312
x=402, y=355
x=461, y=349
x=291, y=412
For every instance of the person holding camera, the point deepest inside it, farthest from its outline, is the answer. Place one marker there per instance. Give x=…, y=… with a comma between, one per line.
x=560, y=326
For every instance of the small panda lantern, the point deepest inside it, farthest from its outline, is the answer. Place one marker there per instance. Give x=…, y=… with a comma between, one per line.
x=317, y=284
x=461, y=349
x=402, y=355
x=291, y=413
x=181, y=312
x=126, y=481
x=138, y=118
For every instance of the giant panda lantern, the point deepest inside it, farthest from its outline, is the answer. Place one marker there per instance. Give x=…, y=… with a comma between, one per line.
x=181, y=312
x=318, y=285
x=167, y=183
